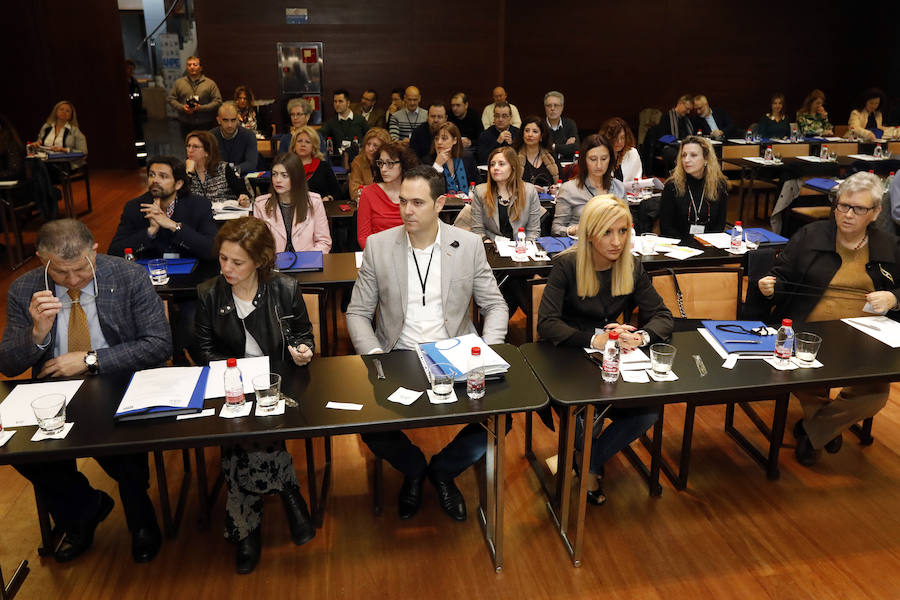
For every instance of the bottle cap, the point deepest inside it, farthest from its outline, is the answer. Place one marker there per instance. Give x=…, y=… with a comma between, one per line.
x=476, y=351
x=231, y=362
x=128, y=251
x=471, y=183
x=613, y=335
x=787, y=322
x=521, y=229
x=559, y=181
x=872, y=171
x=738, y=223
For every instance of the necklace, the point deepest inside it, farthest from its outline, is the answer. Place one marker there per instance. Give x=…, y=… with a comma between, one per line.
x=535, y=162
x=862, y=242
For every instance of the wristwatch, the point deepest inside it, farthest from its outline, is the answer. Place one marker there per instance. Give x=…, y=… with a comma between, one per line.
x=90, y=360
x=645, y=337
x=177, y=227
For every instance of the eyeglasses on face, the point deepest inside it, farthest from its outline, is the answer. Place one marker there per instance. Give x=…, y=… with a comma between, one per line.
x=857, y=210
x=386, y=163
x=194, y=147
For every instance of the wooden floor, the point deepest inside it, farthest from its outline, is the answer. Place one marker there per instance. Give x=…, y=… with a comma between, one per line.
x=830, y=532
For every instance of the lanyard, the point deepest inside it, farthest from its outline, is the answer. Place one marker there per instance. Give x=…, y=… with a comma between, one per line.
x=697, y=207
x=422, y=282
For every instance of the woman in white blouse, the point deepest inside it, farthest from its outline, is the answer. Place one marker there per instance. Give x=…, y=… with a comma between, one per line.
x=60, y=133
x=628, y=160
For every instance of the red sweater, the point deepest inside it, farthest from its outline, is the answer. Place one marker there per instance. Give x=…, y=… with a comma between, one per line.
x=375, y=213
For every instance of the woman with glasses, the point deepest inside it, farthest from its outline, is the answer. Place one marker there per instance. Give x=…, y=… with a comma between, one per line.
x=299, y=111
x=320, y=176
x=379, y=203
x=249, y=310
x=295, y=216
x=839, y=268
x=210, y=177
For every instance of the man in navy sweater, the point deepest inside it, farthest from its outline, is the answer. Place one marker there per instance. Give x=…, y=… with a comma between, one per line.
x=237, y=145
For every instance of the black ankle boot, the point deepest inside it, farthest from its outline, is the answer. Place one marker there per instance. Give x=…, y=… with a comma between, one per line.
x=302, y=529
x=248, y=551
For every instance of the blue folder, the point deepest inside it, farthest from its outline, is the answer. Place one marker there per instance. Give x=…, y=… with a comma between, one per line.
x=194, y=406
x=767, y=236
x=174, y=266
x=766, y=343
x=544, y=197
x=555, y=244
x=299, y=262
x=69, y=155
x=822, y=184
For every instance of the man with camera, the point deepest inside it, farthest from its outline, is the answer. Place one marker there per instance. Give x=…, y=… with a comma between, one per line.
x=196, y=99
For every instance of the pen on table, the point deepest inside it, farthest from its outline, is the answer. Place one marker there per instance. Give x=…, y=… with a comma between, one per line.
x=378, y=368
x=743, y=342
x=870, y=326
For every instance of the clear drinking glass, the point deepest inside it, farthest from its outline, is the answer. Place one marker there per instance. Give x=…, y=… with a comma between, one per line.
x=661, y=358
x=752, y=239
x=268, y=391
x=159, y=273
x=807, y=347
x=50, y=411
x=648, y=242
x=442, y=381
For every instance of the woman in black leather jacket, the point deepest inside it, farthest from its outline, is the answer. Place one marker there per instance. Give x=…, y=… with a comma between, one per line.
x=250, y=311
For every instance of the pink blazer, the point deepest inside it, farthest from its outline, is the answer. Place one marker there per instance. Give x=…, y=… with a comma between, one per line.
x=311, y=234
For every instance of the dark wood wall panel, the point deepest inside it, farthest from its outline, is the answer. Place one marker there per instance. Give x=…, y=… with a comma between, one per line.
x=72, y=51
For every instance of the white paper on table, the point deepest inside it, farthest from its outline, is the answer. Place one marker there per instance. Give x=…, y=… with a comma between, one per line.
x=871, y=309
x=670, y=376
x=683, y=252
x=404, y=396
x=250, y=368
x=762, y=161
x=229, y=205
x=835, y=138
x=206, y=412
x=16, y=408
x=228, y=215
x=40, y=435
x=635, y=360
x=739, y=141
x=662, y=241
x=505, y=246
x=358, y=259
x=718, y=240
x=531, y=250
x=772, y=361
x=233, y=412
x=166, y=386
x=742, y=250
x=278, y=410
x=635, y=376
x=888, y=331
x=434, y=400
x=6, y=436
x=813, y=159
x=813, y=365
x=730, y=361
x=344, y=406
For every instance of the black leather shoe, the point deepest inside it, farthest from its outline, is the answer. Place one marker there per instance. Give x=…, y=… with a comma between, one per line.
x=596, y=497
x=805, y=453
x=80, y=535
x=410, y=498
x=449, y=497
x=302, y=529
x=834, y=446
x=145, y=543
x=248, y=551
x=799, y=431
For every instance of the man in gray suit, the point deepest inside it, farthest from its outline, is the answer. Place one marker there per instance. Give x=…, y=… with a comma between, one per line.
x=417, y=281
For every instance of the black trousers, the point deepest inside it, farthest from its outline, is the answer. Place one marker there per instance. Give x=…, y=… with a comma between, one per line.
x=70, y=497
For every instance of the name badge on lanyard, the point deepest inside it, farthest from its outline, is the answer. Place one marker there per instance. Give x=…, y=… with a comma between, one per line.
x=695, y=229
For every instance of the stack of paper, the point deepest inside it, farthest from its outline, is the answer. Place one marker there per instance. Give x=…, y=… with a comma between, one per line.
x=16, y=408
x=456, y=352
x=883, y=329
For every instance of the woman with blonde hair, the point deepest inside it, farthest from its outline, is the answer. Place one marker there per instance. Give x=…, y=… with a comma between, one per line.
x=591, y=285
x=320, y=176
x=695, y=198
x=60, y=132
x=362, y=169
x=505, y=202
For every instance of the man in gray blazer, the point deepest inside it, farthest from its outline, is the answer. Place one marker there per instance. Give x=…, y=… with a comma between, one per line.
x=416, y=281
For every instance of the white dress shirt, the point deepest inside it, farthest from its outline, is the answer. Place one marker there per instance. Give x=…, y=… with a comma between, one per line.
x=424, y=323
x=89, y=304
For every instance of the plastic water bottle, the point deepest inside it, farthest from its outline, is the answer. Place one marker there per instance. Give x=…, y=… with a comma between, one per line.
x=521, y=249
x=329, y=147
x=129, y=254
x=636, y=188
x=611, y=357
x=555, y=190
x=784, y=343
x=823, y=153
x=234, y=384
x=794, y=135
x=888, y=181
x=737, y=236
x=748, y=137
x=475, y=376
x=879, y=151
x=471, y=190
x=769, y=155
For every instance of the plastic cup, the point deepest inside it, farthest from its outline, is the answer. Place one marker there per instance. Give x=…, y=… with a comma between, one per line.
x=807, y=347
x=661, y=358
x=50, y=411
x=268, y=391
x=442, y=381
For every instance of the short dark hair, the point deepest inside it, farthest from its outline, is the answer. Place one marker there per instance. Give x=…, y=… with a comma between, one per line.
x=67, y=238
x=503, y=104
x=463, y=95
x=178, y=172
x=401, y=152
x=399, y=91
x=371, y=91
x=343, y=92
x=870, y=93
x=437, y=185
x=439, y=104
x=254, y=237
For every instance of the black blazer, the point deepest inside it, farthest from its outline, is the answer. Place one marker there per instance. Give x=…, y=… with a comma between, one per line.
x=488, y=141
x=674, y=210
x=811, y=259
x=468, y=164
x=324, y=182
x=280, y=316
x=198, y=230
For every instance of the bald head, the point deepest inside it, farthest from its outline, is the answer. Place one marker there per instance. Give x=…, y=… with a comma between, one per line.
x=411, y=98
x=228, y=118
x=499, y=94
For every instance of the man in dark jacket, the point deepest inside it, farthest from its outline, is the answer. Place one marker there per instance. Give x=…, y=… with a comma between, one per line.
x=237, y=145
x=501, y=133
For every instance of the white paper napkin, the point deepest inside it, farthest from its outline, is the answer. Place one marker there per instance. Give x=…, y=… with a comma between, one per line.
x=344, y=406
x=670, y=376
x=813, y=365
x=5, y=436
x=404, y=396
x=229, y=412
x=434, y=400
x=635, y=376
x=790, y=366
x=40, y=435
x=208, y=412
x=278, y=410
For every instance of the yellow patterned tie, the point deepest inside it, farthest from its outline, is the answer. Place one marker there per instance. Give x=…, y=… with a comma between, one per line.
x=79, y=332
